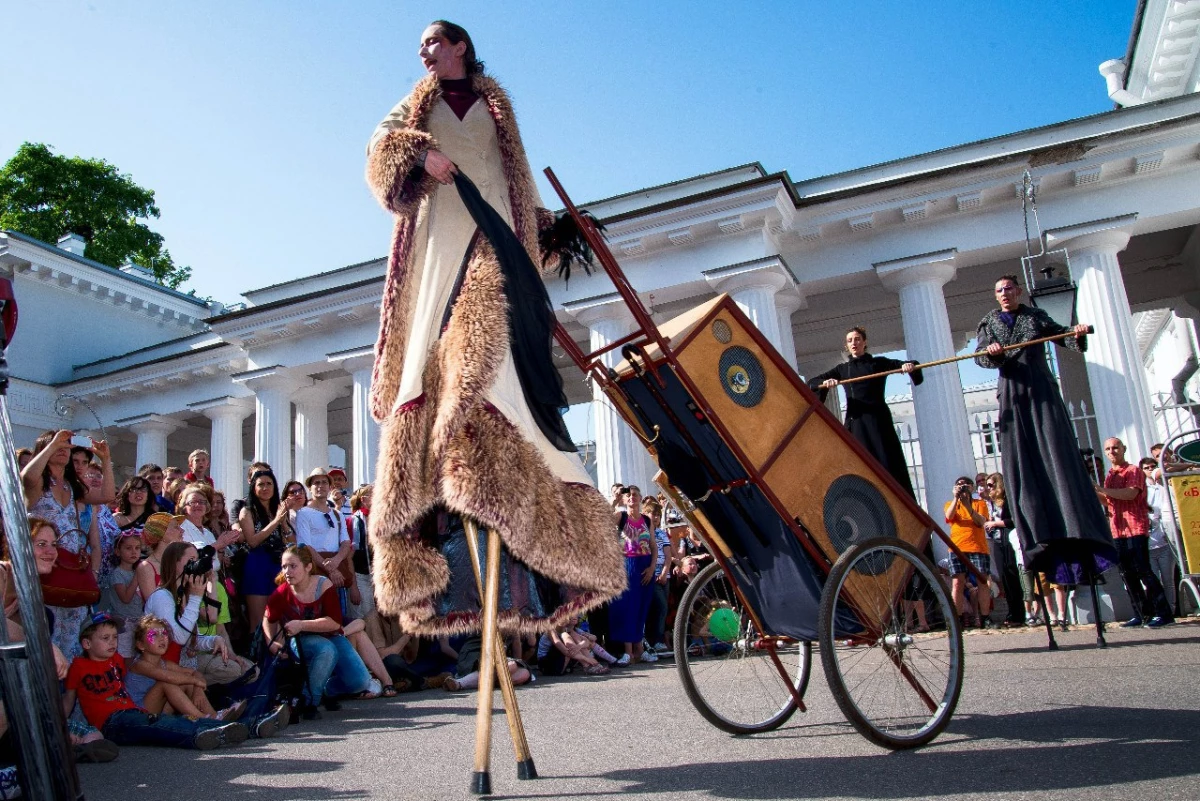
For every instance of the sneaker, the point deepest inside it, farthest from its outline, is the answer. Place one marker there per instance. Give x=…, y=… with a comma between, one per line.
x=597, y=670
x=333, y=705
x=229, y=734
x=96, y=751
x=1132, y=623
x=274, y=722
x=662, y=648
x=374, y=686
x=310, y=712
x=1157, y=622
x=648, y=656
x=623, y=661
x=232, y=713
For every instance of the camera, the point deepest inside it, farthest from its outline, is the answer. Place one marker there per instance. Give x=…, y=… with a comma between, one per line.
x=202, y=565
x=80, y=441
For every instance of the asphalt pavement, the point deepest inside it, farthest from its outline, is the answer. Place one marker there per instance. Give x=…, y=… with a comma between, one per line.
x=1080, y=723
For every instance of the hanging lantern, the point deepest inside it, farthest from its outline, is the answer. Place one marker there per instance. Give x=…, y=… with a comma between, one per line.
x=1047, y=273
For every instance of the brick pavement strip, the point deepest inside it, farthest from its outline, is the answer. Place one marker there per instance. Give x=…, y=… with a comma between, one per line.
x=1079, y=723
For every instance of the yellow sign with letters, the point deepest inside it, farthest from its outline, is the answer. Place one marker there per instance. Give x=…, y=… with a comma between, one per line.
x=1186, y=491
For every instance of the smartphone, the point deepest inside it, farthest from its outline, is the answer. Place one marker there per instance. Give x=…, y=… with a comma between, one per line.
x=80, y=441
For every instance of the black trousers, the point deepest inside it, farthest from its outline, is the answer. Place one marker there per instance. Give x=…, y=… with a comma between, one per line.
x=1010, y=580
x=1144, y=588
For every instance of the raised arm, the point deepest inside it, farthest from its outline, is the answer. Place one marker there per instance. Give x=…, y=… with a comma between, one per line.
x=396, y=160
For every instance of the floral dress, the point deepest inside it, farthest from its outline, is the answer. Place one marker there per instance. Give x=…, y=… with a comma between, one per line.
x=68, y=621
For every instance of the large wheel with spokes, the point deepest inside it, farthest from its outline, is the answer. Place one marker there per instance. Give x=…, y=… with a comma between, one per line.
x=727, y=665
x=897, y=686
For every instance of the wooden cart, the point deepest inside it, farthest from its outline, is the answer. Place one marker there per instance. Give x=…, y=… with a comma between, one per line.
x=812, y=540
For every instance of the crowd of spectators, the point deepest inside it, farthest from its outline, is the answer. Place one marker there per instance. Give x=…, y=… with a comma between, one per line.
x=1142, y=523
x=199, y=603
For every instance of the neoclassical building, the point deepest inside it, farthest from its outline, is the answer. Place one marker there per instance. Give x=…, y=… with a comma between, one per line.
x=910, y=249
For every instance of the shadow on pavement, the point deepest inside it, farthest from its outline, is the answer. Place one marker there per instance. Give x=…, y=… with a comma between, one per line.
x=1123, y=748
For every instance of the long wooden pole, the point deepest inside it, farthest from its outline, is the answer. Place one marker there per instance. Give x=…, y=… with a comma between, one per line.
x=481, y=780
x=952, y=359
x=516, y=728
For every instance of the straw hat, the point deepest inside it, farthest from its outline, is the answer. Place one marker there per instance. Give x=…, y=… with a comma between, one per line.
x=157, y=525
x=317, y=472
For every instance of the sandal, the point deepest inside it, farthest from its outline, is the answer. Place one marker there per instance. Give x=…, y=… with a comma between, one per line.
x=389, y=691
x=366, y=695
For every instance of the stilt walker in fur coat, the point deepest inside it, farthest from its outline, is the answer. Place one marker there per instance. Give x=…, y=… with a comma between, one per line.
x=451, y=386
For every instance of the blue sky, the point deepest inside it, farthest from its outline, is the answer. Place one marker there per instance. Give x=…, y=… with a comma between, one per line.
x=249, y=119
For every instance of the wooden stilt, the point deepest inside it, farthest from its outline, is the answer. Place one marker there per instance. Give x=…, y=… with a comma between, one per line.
x=1100, y=641
x=481, y=779
x=525, y=766
x=1051, y=645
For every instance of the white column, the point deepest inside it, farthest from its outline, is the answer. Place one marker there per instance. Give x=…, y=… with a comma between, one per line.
x=1120, y=393
x=225, y=447
x=152, y=431
x=938, y=402
x=364, y=446
x=364, y=432
x=753, y=286
x=620, y=456
x=273, y=388
x=788, y=303
x=312, y=425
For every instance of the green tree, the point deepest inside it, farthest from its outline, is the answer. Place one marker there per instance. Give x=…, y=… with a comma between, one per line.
x=47, y=196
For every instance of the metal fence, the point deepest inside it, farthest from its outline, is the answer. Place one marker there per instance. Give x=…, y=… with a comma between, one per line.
x=983, y=428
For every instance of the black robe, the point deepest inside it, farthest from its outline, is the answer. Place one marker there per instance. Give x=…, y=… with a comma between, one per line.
x=1062, y=526
x=868, y=417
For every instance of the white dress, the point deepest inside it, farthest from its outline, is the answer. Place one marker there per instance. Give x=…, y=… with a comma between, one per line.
x=440, y=241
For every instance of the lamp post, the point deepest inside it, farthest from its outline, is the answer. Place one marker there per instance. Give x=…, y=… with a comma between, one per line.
x=1054, y=293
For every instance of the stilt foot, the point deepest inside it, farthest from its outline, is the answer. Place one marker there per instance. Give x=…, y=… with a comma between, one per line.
x=1052, y=646
x=481, y=783
x=526, y=770
x=1101, y=643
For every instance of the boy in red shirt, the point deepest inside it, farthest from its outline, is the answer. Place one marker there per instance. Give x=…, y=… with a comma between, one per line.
x=97, y=679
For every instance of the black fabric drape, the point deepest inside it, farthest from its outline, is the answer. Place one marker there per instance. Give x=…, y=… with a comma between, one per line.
x=530, y=318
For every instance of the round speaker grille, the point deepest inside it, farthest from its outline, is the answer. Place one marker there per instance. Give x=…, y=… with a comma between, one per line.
x=721, y=332
x=742, y=376
x=855, y=511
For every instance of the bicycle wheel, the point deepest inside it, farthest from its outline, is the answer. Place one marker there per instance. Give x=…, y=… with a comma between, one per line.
x=725, y=663
x=896, y=686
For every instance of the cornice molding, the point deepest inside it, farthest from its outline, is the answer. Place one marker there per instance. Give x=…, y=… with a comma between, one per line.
x=31, y=262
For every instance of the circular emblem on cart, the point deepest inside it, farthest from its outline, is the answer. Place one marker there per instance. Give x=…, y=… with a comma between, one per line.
x=742, y=376
x=856, y=511
x=722, y=332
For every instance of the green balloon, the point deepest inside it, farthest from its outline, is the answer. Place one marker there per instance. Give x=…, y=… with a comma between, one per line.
x=724, y=624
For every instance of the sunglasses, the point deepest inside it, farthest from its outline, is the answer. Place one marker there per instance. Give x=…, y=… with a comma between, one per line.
x=295, y=491
x=991, y=485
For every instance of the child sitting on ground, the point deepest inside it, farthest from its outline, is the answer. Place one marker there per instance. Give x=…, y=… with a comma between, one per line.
x=119, y=596
x=559, y=651
x=579, y=633
x=97, y=679
x=156, y=684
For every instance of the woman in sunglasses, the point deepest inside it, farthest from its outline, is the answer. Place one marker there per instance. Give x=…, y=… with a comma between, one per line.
x=267, y=528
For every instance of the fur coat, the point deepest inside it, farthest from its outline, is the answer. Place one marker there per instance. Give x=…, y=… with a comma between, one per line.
x=449, y=447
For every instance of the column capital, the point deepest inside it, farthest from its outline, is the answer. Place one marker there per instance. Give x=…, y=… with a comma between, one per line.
x=789, y=301
x=227, y=407
x=151, y=423
x=354, y=359
x=1111, y=234
x=937, y=267
x=771, y=272
x=321, y=392
x=598, y=309
x=274, y=377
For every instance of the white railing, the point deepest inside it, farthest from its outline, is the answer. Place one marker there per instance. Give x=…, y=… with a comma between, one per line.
x=1171, y=418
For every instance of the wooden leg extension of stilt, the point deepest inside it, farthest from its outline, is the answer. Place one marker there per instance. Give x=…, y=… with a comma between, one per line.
x=493, y=666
